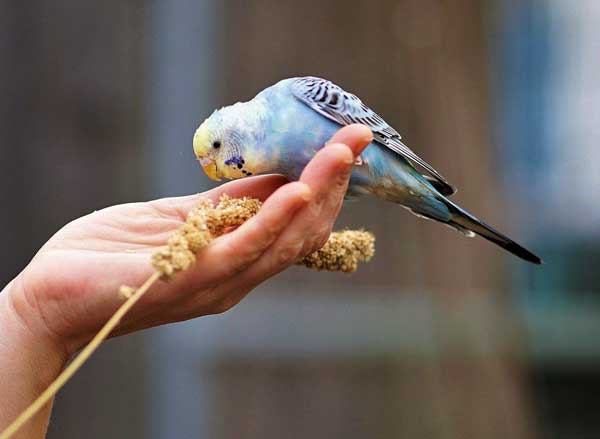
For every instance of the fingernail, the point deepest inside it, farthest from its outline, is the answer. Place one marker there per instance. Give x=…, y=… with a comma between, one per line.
x=304, y=191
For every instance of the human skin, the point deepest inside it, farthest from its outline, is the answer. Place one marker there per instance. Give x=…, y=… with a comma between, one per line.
x=69, y=289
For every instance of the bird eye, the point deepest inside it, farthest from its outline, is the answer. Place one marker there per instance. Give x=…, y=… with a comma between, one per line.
x=216, y=144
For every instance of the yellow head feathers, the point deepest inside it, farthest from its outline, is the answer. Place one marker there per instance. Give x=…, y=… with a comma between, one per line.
x=203, y=150
x=229, y=144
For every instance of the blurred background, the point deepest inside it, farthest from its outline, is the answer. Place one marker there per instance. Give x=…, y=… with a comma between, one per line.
x=439, y=336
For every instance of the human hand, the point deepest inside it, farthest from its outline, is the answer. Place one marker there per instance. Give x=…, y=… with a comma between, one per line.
x=69, y=289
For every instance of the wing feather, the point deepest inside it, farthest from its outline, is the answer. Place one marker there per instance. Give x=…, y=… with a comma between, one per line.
x=345, y=108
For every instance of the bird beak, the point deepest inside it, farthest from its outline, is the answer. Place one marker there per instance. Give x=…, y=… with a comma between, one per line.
x=210, y=169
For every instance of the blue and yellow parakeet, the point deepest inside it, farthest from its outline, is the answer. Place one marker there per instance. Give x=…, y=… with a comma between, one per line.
x=281, y=129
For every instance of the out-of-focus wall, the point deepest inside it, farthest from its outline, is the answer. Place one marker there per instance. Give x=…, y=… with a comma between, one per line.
x=103, y=99
x=70, y=143
x=99, y=104
x=546, y=88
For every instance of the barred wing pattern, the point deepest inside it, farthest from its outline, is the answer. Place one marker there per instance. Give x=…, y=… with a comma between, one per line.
x=345, y=108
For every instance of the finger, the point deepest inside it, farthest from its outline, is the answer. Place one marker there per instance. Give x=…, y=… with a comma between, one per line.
x=332, y=160
x=234, y=251
x=330, y=166
x=327, y=175
x=355, y=136
x=260, y=187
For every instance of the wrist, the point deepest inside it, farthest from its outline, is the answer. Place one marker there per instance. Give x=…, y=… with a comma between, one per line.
x=29, y=362
x=28, y=355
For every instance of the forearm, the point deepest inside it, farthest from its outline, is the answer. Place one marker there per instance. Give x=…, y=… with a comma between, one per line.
x=28, y=364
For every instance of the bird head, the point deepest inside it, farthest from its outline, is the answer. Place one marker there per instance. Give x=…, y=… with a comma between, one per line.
x=222, y=144
x=209, y=146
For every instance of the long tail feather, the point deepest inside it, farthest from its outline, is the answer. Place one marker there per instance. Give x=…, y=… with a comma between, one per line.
x=463, y=220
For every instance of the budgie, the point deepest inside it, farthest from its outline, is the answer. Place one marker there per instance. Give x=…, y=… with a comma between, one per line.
x=282, y=128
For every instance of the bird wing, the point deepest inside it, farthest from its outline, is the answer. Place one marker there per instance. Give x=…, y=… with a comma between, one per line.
x=342, y=107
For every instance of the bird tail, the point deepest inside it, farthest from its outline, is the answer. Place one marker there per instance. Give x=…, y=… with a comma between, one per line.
x=467, y=224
